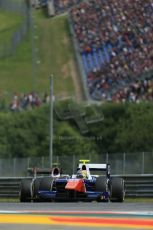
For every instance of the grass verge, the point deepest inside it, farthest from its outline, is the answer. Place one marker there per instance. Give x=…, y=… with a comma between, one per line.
x=53, y=54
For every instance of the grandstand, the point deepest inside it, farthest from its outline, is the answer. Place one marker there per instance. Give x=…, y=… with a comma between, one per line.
x=116, y=45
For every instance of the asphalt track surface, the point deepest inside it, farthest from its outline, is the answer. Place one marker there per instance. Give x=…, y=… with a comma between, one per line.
x=81, y=216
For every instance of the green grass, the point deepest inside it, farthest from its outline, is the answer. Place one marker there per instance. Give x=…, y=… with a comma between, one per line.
x=139, y=200
x=7, y=26
x=54, y=54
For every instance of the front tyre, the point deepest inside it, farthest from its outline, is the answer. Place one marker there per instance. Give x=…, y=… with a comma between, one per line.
x=46, y=184
x=102, y=186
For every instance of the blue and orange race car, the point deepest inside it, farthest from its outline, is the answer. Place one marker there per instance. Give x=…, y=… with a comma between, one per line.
x=85, y=185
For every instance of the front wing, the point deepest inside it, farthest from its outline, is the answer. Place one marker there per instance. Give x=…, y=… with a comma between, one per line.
x=73, y=189
x=69, y=196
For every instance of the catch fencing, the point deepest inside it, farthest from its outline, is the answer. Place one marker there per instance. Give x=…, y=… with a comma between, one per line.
x=9, y=46
x=121, y=163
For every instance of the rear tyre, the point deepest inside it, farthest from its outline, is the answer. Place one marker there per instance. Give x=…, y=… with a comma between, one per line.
x=25, y=191
x=102, y=186
x=117, y=190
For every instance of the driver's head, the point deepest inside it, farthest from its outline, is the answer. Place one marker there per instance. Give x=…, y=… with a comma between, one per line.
x=79, y=174
x=84, y=173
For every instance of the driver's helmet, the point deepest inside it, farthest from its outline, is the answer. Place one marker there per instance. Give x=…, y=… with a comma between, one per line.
x=84, y=173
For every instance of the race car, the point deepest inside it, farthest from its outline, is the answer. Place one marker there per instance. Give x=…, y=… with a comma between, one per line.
x=29, y=187
x=85, y=185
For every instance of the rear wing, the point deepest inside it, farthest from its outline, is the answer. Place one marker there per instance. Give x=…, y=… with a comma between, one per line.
x=54, y=172
x=97, y=167
x=35, y=171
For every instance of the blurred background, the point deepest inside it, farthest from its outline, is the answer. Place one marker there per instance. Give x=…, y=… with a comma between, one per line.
x=100, y=55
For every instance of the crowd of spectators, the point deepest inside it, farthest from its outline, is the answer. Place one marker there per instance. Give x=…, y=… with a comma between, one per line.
x=27, y=101
x=138, y=91
x=127, y=27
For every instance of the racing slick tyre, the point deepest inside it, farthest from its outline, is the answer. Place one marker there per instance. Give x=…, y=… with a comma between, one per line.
x=25, y=191
x=46, y=184
x=101, y=186
x=117, y=190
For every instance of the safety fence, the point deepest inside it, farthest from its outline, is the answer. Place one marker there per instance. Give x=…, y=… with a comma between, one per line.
x=79, y=61
x=140, y=186
x=9, y=46
x=121, y=163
